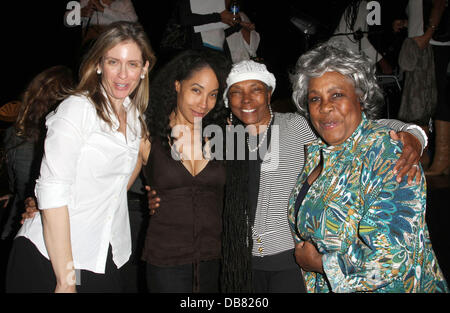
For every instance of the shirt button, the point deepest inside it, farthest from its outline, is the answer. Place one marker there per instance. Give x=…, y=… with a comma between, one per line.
x=260, y=250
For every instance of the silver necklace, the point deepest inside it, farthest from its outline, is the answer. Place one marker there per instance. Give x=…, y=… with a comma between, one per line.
x=264, y=136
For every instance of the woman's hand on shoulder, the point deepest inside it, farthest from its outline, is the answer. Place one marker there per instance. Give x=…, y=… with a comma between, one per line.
x=408, y=162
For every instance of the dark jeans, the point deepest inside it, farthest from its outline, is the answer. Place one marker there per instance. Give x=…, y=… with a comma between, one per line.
x=30, y=272
x=180, y=278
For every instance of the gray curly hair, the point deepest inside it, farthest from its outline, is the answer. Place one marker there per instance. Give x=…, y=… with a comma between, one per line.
x=336, y=58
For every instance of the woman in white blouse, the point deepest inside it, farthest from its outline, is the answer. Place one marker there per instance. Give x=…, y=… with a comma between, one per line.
x=82, y=235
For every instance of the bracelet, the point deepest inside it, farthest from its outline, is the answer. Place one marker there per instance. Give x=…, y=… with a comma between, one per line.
x=421, y=131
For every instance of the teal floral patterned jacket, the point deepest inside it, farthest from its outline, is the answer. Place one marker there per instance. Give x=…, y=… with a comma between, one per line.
x=370, y=229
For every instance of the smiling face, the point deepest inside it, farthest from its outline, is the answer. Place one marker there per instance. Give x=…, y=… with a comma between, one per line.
x=249, y=101
x=334, y=107
x=196, y=95
x=122, y=67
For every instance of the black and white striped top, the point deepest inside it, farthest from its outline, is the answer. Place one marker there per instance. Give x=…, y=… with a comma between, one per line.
x=280, y=168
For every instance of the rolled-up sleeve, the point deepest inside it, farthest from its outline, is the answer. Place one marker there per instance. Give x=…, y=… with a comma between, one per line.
x=65, y=136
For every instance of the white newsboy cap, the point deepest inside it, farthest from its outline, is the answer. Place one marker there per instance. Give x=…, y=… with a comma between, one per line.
x=248, y=70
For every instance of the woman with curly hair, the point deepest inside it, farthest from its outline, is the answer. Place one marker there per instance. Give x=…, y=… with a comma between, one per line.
x=183, y=242
x=257, y=244
x=356, y=227
x=24, y=142
x=258, y=247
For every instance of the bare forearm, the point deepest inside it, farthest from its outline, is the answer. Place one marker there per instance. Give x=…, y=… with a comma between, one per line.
x=436, y=12
x=435, y=17
x=56, y=226
x=144, y=151
x=135, y=174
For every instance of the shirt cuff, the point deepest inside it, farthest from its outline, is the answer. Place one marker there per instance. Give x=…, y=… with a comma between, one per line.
x=51, y=195
x=418, y=132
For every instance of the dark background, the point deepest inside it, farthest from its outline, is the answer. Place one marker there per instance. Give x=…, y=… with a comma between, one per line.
x=35, y=37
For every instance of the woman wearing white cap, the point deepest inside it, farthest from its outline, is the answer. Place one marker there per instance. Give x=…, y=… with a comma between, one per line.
x=258, y=246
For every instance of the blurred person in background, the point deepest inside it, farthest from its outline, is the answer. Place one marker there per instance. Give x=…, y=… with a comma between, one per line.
x=81, y=237
x=24, y=141
x=97, y=14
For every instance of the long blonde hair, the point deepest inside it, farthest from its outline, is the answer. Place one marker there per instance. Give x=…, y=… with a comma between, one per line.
x=90, y=81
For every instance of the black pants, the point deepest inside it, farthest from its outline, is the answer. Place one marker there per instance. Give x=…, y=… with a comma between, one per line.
x=277, y=273
x=180, y=278
x=29, y=271
x=283, y=281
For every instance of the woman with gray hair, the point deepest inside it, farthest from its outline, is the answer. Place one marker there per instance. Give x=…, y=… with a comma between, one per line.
x=257, y=242
x=334, y=57
x=357, y=228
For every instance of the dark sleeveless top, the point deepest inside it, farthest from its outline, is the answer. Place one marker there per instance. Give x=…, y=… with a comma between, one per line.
x=187, y=226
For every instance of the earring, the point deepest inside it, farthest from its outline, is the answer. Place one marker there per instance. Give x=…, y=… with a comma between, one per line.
x=142, y=76
x=226, y=104
x=231, y=118
x=99, y=71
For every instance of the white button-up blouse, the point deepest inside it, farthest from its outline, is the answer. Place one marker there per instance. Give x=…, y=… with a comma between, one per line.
x=86, y=166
